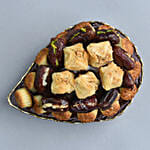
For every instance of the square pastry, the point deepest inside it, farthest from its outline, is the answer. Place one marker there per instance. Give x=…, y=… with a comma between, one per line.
x=62, y=82
x=100, y=53
x=86, y=85
x=75, y=57
x=111, y=76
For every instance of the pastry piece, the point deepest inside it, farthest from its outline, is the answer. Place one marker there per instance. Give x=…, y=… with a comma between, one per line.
x=87, y=117
x=100, y=53
x=86, y=85
x=23, y=98
x=87, y=73
x=111, y=76
x=115, y=107
x=29, y=81
x=135, y=72
x=128, y=93
x=75, y=57
x=127, y=45
x=62, y=82
x=62, y=115
x=41, y=58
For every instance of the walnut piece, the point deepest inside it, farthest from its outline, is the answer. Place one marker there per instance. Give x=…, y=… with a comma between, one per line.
x=62, y=115
x=23, y=98
x=86, y=85
x=128, y=93
x=75, y=57
x=63, y=82
x=100, y=53
x=29, y=81
x=115, y=107
x=41, y=58
x=111, y=76
x=87, y=117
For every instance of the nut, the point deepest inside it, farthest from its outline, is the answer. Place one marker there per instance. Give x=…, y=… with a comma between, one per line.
x=127, y=45
x=100, y=53
x=107, y=100
x=115, y=107
x=23, y=98
x=128, y=93
x=87, y=117
x=122, y=59
x=84, y=105
x=135, y=73
x=75, y=57
x=128, y=80
x=111, y=76
x=55, y=104
x=41, y=58
x=42, y=78
x=86, y=85
x=29, y=81
x=63, y=82
x=55, y=55
x=62, y=115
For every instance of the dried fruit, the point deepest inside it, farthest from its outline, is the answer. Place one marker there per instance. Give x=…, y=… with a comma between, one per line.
x=107, y=35
x=55, y=104
x=42, y=78
x=127, y=80
x=107, y=100
x=55, y=55
x=122, y=59
x=84, y=105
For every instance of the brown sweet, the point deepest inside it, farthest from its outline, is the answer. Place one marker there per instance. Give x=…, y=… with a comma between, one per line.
x=128, y=93
x=87, y=117
x=127, y=45
x=41, y=58
x=104, y=27
x=62, y=115
x=115, y=107
x=29, y=81
x=136, y=71
x=23, y=98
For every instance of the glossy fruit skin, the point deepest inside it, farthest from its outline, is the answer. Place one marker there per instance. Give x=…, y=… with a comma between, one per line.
x=107, y=100
x=85, y=105
x=122, y=59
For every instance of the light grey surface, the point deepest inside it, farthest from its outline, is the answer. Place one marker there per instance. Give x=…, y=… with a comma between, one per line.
x=25, y=27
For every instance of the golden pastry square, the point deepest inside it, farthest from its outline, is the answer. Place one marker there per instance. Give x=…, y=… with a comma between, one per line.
x=111, y=76
x=75, y=57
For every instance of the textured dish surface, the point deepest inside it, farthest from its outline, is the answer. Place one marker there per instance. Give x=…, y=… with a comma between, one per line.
x=90, y=72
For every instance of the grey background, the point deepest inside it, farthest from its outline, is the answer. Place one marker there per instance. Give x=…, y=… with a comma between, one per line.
x=25, y=27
